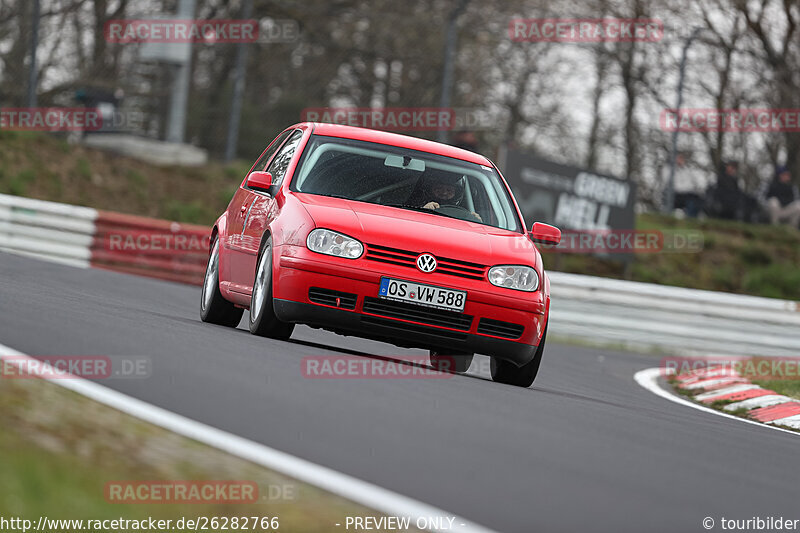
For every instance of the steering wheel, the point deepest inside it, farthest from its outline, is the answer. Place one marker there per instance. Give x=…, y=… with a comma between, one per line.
x=458, y=211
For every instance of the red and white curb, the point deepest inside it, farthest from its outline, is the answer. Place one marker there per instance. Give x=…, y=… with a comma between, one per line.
x=708, y=385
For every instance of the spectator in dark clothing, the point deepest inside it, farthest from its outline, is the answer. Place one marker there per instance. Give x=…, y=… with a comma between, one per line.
x=728, y=200
x=783, y=199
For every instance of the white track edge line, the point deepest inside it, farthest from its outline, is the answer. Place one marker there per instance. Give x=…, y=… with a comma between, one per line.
x=353, y=489
x=648, y=379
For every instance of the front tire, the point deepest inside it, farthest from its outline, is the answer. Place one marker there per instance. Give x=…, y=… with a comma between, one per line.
x=519, y=376
x=213, y=307
x=263, y=321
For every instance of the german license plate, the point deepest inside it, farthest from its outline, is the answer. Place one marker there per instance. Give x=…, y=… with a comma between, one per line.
x=421, y=294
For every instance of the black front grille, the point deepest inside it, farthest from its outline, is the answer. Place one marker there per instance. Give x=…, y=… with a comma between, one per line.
x=396, y=256
x=412, y=328
x=417, y=313
x=507, y=330
x=328, y=297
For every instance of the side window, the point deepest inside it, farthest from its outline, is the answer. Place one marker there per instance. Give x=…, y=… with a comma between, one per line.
x=269, y=152
x=281, y=162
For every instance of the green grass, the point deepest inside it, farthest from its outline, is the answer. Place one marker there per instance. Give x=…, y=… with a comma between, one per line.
x=83, y=169
x=60, y=449
x=689, y=393
x=138, y=184
x=237, y=169
x=744, y=258
x=191, y=212
x=38, y=482
x=18, y=183
x=48, y=168
x=136, y=179
x=719, y=404
x=742, y=412
x=774, y=281
x=787, y=387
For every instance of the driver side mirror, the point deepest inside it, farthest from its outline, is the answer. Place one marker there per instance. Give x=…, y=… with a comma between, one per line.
x=260, y=181
x=545, y=233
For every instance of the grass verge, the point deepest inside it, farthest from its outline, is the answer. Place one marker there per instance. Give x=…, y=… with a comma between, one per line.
x=60, y=449
x=754, y=259
x=786, y=387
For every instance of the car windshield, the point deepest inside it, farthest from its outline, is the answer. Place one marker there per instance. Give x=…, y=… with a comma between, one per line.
x=405, y=179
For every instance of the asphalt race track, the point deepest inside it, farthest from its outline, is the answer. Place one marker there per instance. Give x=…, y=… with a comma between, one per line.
x=584, y=449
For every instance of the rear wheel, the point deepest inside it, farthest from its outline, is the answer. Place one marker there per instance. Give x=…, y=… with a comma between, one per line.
x=263, y=321
x=213, y=307
x=450, y=363
x=520, y=376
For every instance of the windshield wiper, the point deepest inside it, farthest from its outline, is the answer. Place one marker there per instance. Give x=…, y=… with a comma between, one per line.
x=405, y=206
x=341, y=197
x=421, y=210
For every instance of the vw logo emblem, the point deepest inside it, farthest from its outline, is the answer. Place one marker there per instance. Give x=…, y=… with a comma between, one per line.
x=426, y=263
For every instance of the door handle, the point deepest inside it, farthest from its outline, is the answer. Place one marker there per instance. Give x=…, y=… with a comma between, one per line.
x=243, y=210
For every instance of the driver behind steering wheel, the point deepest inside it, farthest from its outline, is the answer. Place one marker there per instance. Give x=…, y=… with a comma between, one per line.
x=444, y=189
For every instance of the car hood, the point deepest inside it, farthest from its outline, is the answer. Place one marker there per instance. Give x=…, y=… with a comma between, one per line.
x=420, y=232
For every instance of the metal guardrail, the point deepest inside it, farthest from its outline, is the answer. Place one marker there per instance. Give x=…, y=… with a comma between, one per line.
x=674, y=320
x=590, y=309
x=84, y=237
x=47, y=230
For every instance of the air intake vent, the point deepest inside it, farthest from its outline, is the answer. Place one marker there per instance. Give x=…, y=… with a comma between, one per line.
x=342, y=300
x=507, y=330
x=413, y=328
x=417, y=313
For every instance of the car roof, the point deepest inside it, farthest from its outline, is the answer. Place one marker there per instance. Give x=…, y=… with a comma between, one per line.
x=395, y=139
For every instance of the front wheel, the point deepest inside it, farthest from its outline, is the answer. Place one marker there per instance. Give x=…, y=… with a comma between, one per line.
x=520, y=376
x=213, y=307
x=263, y=321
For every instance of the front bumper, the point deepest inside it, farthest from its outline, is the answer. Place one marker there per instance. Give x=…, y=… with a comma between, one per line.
x=299, y=270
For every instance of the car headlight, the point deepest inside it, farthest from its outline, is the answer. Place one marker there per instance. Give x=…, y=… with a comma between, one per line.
x=325, y=241
x=517, y=277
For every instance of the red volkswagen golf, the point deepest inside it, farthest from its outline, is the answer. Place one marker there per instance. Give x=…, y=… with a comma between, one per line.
x=387, y=237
